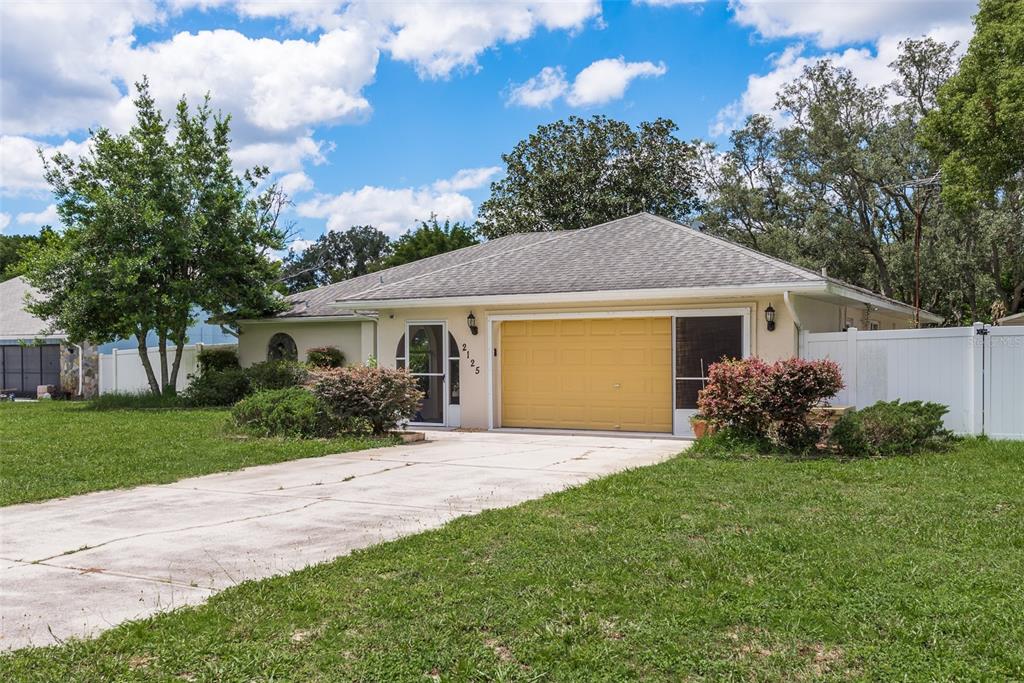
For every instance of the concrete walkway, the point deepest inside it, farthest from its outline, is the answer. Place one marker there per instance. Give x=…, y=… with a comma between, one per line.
x=77, y=566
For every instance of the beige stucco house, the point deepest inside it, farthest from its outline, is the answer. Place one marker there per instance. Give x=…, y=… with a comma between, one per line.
x=607, y=328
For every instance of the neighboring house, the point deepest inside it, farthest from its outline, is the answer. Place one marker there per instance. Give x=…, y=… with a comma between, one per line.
x=1015, y=319
x=31, y=356
x=608, y=328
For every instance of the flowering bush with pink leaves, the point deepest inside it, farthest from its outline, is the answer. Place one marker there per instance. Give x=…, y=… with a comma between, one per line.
x=769, y=401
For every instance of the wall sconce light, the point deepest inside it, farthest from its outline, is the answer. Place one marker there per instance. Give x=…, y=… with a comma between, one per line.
x=471, y=321
x=769, y=316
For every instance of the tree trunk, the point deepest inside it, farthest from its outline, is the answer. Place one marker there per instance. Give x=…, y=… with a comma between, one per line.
x=163, y=360
x=179, y=350
x=154, y=386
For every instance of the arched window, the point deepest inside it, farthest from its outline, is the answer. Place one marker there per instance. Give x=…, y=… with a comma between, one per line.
x=282, y=347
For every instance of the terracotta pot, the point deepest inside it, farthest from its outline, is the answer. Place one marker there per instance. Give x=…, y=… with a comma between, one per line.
x=700, y=427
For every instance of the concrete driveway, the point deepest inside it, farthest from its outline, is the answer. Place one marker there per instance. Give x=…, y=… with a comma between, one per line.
x=77, y=566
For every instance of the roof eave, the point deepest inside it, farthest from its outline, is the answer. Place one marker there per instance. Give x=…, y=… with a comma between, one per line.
x=589, y=297
x=308, y=319
x=880, y=302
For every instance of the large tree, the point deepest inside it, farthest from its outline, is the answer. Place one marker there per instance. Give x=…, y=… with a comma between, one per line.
x=157, y=225
x=15, y=250
x=581, y=172
x=844, y=184
x=430, y=239
x=335, y=256
x=976, y=132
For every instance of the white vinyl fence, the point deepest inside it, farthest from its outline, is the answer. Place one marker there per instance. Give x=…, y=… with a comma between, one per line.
x=121, y=371
x=978, y=372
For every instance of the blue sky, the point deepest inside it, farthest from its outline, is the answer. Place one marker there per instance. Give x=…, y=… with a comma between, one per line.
x=382, y=112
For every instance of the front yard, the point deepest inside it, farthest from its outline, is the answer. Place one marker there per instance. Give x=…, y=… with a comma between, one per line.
x=696, y=569
x=54, y=449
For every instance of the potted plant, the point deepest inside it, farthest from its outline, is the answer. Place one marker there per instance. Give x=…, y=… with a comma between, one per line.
x=699, y=425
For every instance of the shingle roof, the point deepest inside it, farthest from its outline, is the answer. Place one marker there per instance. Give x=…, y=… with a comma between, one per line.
x=15, y=321
x=319, y=302
x=637, y=252
x=642, y=251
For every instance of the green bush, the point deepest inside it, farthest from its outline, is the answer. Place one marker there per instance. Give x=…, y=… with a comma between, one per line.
x=291, y=412
x=142, y=400
x=891, y=428
x=217, y=358
x=325, y=357
x=276, y=374
x=730, y=441
x=378, y=397
x=217, y=388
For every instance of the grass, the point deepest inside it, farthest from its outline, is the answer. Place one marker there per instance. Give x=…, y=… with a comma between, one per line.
x=696, y=569
x=54, y=449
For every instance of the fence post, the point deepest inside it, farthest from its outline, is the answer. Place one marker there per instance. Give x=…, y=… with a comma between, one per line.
x=976, y=382
x=851, y=363
x=114, y=371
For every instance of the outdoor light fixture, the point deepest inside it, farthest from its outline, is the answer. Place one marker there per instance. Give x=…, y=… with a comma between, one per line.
x=769, y=316
x=471, y=321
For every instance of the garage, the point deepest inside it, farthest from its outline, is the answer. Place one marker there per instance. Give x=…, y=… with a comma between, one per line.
x=587, y=373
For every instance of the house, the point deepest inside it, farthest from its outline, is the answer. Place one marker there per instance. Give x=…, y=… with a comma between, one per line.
x=32, y=355
x=607, y=328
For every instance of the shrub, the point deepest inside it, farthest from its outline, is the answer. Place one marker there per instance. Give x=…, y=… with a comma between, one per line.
x=769, y=401
x=379, y=397
x=217, y=388
x=291, y=412
x=325, y=357
x=213, y=359
x=891, y=428
x=276, y=374
x=729, y=441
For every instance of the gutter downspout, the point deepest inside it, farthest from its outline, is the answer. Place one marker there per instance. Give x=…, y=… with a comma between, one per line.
x=81, y=368
x=796, y=318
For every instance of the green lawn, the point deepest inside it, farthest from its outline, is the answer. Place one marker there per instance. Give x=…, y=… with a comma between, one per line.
x=696, y=569
x=53, y=449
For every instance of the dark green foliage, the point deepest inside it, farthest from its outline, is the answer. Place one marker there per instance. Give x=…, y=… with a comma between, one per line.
x=213, y=359
x=157, y=225
x=217, y=388
x=14, y=251
x=891, y=428
x=325, y=357
x=292, y=412
x=379, y=398
x=335, y=256
x=579, y=172
x=145, y=400
x=276, y=374
x=729, y=441
x=430, y=239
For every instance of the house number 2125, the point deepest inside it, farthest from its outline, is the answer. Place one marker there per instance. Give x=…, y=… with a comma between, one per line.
x=472, y=361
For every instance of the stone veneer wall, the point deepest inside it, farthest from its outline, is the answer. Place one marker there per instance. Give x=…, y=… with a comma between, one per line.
x=69, y=370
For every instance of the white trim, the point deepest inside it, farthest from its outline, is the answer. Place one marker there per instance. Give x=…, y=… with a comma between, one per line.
x=309, y=319
x=878, y=302
x=34, y=337
x=600, y=296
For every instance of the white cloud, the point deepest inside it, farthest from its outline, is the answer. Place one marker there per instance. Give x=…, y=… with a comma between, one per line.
x=295, y=183
x=667, y=3
x=601, y=82
x=830, y=24
x=5, y=220
x=541, y=90
x=607, y=79
x=21, y=169
x=282, y=156
x=300, y=245
x=467, y=179
x=869, y=65
x=392, y=210
x=47, y=216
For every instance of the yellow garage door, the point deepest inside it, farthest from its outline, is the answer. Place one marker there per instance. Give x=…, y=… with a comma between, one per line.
x=600, y=373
